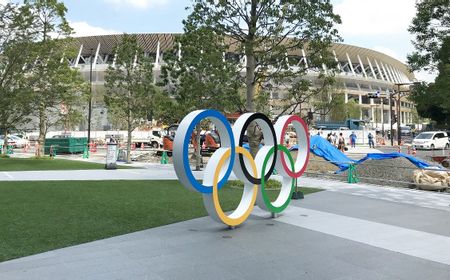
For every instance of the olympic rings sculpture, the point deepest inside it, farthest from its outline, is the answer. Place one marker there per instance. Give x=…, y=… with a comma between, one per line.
x=231, y=156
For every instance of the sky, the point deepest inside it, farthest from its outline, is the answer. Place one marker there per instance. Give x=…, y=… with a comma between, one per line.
x=380, y=25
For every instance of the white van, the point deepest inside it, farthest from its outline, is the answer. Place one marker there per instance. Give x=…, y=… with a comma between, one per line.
x=431, y=140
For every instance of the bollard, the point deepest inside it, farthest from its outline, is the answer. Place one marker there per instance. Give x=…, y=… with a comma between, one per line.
x=164, y=158
x=352, y=175
x=51, y=152
x=86, y=153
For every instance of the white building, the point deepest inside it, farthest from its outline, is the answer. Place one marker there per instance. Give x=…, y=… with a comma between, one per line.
x=362, y=71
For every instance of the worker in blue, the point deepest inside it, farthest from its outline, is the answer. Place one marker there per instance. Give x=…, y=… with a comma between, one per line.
x=353, y=139
x=371, y=144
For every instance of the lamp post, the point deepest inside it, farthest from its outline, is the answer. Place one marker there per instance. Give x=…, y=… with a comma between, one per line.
x=390, y=119
x=382, y=116
x=90, y=101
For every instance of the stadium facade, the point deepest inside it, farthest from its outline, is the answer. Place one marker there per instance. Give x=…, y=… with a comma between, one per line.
x=362, y=71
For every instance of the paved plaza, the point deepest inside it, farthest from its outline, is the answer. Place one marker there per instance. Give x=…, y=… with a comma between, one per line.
x=348, y=231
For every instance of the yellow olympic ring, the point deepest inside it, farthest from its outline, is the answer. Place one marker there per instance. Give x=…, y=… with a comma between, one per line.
x=247, y=203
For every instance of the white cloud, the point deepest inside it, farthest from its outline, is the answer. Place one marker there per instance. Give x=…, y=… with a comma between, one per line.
x=82, y=28
x=368, y=17
x=425, y=76
x=3, y=2
x=141, y=4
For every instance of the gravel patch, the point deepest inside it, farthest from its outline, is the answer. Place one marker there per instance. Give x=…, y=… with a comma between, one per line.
x=396, y=172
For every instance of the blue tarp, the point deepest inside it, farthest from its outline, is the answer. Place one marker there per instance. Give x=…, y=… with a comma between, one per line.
x=322, y=148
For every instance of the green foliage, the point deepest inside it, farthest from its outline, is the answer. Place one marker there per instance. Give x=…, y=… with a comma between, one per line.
x=270, y=185
x=129, y=85
x=15, y=52
x=431, y=26
x=267, y=32
x=321, y=97
x=341, y=111
x=433, y=100
x=199, y=78
x=54, y=84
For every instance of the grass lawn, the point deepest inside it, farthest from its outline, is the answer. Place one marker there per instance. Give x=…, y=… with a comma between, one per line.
x=32, y=164
x=41, y=216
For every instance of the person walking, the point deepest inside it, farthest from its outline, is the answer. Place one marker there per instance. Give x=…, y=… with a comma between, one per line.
x=329, y=138
x=353, y=139
x=371, y=143
x=341, y=143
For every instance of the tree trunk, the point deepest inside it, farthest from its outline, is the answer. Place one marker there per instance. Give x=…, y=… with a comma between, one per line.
x=253, y=139
x=198, y=155
x=42, y=131
x=249, y=81
x=129, y=129
x=5, y=143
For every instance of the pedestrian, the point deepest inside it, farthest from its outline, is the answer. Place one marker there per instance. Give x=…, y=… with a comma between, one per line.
x=371, y=144
x=353, y=139
x=286, y=139
x=335, y=138
x=329, y=138
x=341, y=142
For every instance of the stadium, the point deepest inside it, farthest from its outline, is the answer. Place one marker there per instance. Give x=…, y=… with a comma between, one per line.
x=362, y=71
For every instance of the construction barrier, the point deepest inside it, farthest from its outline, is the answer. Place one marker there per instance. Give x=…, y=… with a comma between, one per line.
x=352, y=175
x=86, y=153
x=164, y=158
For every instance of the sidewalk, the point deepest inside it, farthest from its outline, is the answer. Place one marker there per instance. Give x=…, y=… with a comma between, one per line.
x=154, y=171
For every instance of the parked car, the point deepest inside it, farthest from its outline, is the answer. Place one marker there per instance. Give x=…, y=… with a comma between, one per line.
x=20, y=142
x=431, y=140
x=11, y=142
x=405, y=131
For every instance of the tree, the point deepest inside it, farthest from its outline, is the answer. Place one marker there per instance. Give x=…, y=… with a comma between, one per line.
x=433, y=100
x=266, y=32
x=431, y=26
x=341, y=111
x=129, y=85
x=197, y=77
x=15, y=41
x=53, y=82
x=303, y=96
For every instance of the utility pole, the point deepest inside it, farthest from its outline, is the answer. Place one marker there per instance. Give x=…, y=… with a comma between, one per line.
x=399, y=91
x=90, y=101
x=390, y=112
x=399, y=134
x=382, y=116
